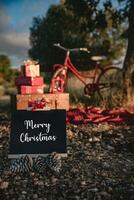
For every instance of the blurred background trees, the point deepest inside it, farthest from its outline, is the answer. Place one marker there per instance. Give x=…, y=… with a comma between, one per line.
x=92, y=24
x=4, y=67
x=105, y=27
x=7, y=75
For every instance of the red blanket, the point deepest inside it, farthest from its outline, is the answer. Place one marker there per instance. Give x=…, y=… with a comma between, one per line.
x=98, y=115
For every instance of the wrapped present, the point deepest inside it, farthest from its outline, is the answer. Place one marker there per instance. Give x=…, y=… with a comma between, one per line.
x=24, y=89
x=31, y=70
x=52, y=101
x=57, y=85
x=61, y=101
x=24, y=80
x=39, y=104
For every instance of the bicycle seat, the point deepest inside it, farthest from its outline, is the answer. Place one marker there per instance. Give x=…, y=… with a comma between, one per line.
x=98, y=58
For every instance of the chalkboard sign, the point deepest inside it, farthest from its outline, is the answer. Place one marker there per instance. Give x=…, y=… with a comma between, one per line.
x=37, y=133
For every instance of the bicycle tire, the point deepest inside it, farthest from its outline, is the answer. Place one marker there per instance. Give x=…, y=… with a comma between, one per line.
x=56, y=73
x=110, y=83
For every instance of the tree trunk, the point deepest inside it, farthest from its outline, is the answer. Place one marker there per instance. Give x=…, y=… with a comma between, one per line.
x=129, y=63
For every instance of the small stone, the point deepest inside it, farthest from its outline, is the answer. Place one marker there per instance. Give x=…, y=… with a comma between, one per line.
x=17, y=178
x=105, y=195
x=35, y=196
x=70, y=135
x=4, y=185
x=40, y=183
x=132, y=186
x=110, y=189
x=110, y=147
x=24, y=192
x=93, y=190
x=32, y=174
x=106, y=165
x=22, y=197
x=54, y=180
x=83, y=183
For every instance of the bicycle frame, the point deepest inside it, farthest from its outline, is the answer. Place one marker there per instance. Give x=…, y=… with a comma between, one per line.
x=68, y=64
x=95, y=82
x=60, y=75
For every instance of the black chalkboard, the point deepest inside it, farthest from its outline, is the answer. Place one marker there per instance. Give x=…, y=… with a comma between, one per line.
x=37, y=133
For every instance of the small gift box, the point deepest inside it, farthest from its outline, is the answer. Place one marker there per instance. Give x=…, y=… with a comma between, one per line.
x=30, y=70
x=24, y=80
x=23, y=89
x=54, y=101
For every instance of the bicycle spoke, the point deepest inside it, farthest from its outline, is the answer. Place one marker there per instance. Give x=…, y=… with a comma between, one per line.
x=110, y=84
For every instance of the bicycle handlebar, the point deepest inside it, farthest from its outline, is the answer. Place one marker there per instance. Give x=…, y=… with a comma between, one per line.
x=84, y=49
x=75, y=49
x=61, y=47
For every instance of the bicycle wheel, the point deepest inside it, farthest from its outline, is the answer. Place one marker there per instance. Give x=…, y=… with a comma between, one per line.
x=110, y=84
x=58, y=73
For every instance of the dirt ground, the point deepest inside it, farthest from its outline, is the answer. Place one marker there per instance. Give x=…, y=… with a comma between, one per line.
x=99, y=166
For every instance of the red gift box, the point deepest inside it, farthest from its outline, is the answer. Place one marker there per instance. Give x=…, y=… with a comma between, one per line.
x=31, y=70
x=24, y=80
x=23, y=89
x=54, y=101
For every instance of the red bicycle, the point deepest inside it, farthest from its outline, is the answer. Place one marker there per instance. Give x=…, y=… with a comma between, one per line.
x=105, y=79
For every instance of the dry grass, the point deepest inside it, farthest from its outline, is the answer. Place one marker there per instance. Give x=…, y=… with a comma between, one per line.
x=75, y=88
x=77, y=96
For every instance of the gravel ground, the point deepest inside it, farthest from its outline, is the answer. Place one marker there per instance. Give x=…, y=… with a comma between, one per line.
x=99, y=166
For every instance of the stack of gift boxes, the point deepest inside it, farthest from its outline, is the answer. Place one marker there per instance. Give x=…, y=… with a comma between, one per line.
x=31, y=91
x=30, y=82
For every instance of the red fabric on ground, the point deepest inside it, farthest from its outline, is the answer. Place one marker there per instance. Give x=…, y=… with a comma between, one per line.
x=98, y=115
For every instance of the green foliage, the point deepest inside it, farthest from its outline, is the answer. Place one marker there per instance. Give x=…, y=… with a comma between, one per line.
x=7, y=74
x=81, y=23
x=5, y=70
x=4, y=64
